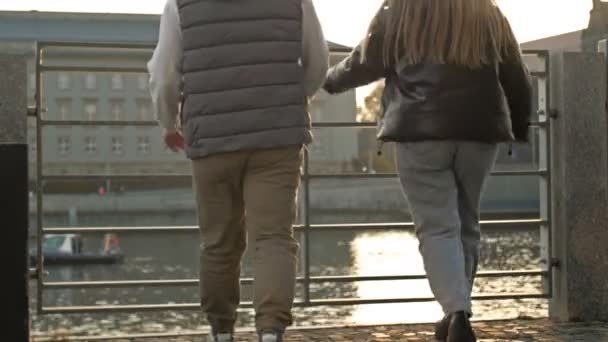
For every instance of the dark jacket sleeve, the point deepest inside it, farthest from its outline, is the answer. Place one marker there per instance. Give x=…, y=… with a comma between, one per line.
x=352, y=72
x=516, y=83
x=515, y=80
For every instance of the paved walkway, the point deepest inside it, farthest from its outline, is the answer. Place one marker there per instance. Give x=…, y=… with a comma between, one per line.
x=494, y=331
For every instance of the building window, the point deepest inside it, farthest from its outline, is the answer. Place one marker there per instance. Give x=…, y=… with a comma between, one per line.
x=90, y=145
x=117, y=82
x=63, y=81
x=320, y=145
x=117, y=146
x=64, y=109
x=143, y=145
x=117, y=109
x=63, y=145
x=143, y=110
x=90, y=110
x=90, y=81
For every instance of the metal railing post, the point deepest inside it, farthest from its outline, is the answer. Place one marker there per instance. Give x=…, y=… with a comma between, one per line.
x=306, y=228
x=39, y=185
x=545, y=179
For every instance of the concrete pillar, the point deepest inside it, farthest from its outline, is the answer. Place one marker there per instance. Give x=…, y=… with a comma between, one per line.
x=579, y=144
x=14, y=195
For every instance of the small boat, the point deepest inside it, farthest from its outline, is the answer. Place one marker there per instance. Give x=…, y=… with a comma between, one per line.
x=67, y=249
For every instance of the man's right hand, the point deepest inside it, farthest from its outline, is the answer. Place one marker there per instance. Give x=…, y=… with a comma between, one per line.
x=174, y=139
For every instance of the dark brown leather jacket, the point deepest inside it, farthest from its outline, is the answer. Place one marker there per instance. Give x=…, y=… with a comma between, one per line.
x=441, y=101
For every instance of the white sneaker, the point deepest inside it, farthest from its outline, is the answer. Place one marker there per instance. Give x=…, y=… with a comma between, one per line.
x=271, y=337
x=221, y=338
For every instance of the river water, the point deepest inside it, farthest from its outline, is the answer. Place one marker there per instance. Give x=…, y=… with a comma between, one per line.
x=174, y=256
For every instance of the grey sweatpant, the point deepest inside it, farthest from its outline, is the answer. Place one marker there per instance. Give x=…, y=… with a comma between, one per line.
x=443, y=182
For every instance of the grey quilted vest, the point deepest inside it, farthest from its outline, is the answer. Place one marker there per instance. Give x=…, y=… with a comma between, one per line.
x=243, y=81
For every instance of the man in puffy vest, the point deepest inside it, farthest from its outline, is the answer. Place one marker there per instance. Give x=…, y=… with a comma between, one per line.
x=243, y=71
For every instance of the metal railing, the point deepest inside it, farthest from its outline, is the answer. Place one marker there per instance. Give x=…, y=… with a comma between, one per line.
x=543, y=171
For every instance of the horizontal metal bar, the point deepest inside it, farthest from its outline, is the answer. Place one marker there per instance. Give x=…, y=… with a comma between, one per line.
x=96, y=69
x=350, y=176
x=345, y=176
x=32, y=111
x=118, y=308
x=108, y=45
x=351, y=124
x=155, y=123
x=519, y=173
x=498, y=173
x=100, y=123
x=535, y=222
x=122, y=230
x=151, y=46
x=540, y=74
x=164, y=177
x=540, y=53
x=249, y=305
x=119, y=284
x=375, y=124
x=539, y=124
x=124, y=123
x=348, y=302
x=492, y=274
x=314, y=227
x=248, y=281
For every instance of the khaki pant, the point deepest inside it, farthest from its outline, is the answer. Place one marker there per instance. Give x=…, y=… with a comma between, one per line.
x=250, y=192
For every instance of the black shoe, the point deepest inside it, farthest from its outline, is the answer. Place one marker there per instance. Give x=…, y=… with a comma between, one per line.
x=441, y=329
x=459, y=328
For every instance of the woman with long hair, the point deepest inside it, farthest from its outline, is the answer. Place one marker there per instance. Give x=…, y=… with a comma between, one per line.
x=455, y=87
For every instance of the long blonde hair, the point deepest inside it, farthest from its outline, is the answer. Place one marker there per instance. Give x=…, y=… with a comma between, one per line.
x=462, y=32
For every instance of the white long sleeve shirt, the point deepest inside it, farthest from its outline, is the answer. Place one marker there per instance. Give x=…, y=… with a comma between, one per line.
x=164, y=67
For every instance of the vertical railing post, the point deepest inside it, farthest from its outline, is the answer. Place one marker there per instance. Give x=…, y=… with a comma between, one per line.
x=39, y=185
x=14, y=196
x=306, y=238
x=544, y=148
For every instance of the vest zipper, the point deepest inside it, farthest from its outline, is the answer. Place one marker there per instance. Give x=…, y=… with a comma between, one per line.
x=182, y=101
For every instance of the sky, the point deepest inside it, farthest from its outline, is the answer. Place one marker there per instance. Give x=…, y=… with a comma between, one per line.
x=345, y=21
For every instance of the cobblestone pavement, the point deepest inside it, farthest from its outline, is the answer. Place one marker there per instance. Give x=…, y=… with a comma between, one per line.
x=493, y=331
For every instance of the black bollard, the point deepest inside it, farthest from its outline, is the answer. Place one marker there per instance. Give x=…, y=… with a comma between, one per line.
x=14, y=216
